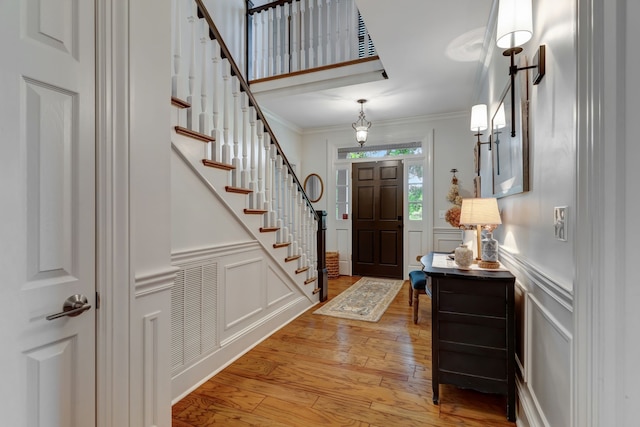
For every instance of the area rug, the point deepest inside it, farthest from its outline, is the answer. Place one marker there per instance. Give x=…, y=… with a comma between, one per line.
x=367, y=300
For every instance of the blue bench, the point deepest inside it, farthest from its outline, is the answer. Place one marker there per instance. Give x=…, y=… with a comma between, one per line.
x=420, y=284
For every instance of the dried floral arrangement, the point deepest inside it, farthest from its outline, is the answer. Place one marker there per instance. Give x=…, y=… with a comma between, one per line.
x=453, y=214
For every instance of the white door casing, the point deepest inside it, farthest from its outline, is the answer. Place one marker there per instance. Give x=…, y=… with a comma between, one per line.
x=47, y=218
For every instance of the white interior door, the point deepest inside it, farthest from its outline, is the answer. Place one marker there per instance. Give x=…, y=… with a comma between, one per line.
x=47, y=214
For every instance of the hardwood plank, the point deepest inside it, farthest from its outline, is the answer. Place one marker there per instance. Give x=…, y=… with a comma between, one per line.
x=321, y=370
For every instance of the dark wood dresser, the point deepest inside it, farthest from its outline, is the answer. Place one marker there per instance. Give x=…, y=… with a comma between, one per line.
x=473, y=329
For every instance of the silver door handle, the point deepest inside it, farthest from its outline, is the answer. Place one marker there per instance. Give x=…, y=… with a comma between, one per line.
x=72, y=307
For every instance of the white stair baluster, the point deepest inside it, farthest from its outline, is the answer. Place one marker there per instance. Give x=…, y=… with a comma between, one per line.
x=216, y=92
x=320, y=50
x=295, y=36
x=286, y=66
x=191, y=18
x=303, y=35
x=226, y=149
x=256, y=139
x=262, y=161
x=203, y=119
x=273, y=179
x=176, y=81
x=246, y=176
x=270, y=70
x=311, y=62
x=257, y=59
x=337, y=22
x=278, y=40
x=235, y=174
x=328, y=45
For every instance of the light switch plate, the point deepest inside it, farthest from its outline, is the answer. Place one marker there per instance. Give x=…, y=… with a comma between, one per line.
x=560, y=222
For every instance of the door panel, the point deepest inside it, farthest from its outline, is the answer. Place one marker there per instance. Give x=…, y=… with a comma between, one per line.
x=47, y=220
x=377, y=219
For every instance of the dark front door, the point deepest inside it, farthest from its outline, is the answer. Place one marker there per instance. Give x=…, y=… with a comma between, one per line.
x=377, y=219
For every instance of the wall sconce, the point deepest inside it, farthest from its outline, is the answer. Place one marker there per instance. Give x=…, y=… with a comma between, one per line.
x=479, y=122
x=361, y=125
x=515, y=28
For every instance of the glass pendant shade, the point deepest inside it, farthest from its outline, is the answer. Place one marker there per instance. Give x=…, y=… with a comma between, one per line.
x=361, y=133
x=515, y=23
x=362, y=125
x=478, y=117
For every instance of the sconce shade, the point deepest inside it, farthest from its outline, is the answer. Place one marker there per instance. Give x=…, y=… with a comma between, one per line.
x=499, y=120
x=515, y=23
x=478, y=117
x=480, y=212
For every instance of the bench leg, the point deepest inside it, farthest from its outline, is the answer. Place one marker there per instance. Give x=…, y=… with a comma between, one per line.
x=416, y=302
x=410, y=295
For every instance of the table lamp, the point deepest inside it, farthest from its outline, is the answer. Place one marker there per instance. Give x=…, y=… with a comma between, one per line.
x=483, y=213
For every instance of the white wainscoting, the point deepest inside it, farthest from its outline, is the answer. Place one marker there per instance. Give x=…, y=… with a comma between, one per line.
x=343, y=237
x=226, y=300
x=415, y=248
x=544, y=313
x=149, y=335
x=446, y=239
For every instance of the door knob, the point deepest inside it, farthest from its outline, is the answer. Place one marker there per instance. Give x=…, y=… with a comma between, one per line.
x=72, y=307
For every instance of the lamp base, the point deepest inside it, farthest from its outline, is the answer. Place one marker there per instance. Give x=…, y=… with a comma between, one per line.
x=489, y=264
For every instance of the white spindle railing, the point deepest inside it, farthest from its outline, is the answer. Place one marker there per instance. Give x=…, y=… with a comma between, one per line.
x=304, y=34
x=222, y=107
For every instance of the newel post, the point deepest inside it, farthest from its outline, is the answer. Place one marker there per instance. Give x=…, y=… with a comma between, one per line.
x=323, y=277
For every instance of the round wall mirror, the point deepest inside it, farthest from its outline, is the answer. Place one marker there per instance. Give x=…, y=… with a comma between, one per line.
x=314, y=187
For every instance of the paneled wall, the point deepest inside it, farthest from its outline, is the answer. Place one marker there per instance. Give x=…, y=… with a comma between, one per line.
x=543, y=265
x=229, y=291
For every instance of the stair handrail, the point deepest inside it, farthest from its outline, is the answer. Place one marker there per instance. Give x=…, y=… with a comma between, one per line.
x=214, y=34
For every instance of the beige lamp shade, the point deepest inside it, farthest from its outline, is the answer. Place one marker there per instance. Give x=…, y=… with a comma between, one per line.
x=480, y=212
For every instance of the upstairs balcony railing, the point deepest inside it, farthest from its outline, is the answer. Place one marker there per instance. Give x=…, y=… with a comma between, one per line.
x=290, y=36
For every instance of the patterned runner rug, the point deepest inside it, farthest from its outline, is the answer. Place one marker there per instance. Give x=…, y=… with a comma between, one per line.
x=367, y=300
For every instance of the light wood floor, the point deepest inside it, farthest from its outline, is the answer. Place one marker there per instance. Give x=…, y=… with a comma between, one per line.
x=325, y=371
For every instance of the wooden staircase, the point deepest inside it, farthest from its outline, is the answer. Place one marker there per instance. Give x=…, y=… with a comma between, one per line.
x=219, y=130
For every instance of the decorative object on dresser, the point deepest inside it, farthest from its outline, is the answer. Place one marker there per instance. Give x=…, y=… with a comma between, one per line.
x=483, y=213
x=463, y=256
x=472, y=330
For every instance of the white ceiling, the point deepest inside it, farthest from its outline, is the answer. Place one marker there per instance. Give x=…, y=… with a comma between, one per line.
x=431, y=51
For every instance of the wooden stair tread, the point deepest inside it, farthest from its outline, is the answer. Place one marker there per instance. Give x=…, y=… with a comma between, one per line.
x=302, y=269
x=292, y=258
x=268, y=229
x=310, y=280
x=217, y=165
x=237, y=190
x=255, y=211
x=193, y=134
x=280, y=245
x=180, y=103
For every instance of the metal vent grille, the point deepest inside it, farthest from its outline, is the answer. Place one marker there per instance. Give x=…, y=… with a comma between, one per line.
x=193, y=314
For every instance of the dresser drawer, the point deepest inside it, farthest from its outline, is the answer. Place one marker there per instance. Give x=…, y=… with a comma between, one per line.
x=472, y=330
x=472, y=297
x=473, y=361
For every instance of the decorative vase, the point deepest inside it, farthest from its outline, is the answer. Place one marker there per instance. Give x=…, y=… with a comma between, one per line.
x=489, y=258
x=489, y=248
x=463, y=256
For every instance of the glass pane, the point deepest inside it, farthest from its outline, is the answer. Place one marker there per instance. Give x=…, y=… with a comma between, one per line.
x=342, y=176
x=415, y=192
x=341, y=195
x=415, y=174
x=341, y=209
x=415, y=211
